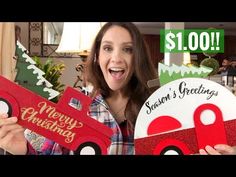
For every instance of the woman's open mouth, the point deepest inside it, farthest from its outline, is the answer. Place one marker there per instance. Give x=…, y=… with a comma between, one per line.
x=117, y=73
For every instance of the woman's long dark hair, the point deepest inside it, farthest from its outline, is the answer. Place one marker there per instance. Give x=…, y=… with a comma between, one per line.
x=144, y=70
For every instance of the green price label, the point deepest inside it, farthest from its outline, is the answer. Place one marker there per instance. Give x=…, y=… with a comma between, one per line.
x=192, y=40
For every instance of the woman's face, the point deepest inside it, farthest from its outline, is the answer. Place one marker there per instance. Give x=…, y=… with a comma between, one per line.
x=116, y=57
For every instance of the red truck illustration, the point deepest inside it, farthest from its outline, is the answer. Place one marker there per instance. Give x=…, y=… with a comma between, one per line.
x=66, y=122
x=170, y=139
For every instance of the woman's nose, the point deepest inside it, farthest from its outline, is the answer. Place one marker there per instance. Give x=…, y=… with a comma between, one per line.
x=116, y=56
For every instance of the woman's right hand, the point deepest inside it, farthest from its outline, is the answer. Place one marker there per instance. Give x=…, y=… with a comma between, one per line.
x=12, y=137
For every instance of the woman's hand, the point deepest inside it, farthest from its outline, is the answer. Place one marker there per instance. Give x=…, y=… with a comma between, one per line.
x=12, y=135
x=219, y=149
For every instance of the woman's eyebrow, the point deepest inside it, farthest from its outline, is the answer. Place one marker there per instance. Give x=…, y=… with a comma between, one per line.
x=124, y=43
x=128, y=43
x=108, y=42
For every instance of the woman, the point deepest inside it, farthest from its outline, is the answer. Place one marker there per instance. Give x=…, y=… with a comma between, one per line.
x=119, y=68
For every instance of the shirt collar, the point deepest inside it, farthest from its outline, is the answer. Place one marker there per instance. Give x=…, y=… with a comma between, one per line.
x=100, y=100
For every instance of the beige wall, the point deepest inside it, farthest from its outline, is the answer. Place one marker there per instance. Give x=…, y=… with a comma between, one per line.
x=24, y=33
x=69, y=75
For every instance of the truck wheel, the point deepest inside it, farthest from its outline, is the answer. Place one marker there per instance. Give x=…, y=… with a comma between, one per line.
x=171, y=147
x=8, y=104
x=171, y=150
x=88, y=148
x=5, y=107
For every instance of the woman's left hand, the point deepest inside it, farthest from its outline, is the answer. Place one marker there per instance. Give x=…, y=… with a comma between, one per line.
x=219, y=149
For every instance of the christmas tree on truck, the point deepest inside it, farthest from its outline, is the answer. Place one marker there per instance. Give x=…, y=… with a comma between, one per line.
x=30, y=76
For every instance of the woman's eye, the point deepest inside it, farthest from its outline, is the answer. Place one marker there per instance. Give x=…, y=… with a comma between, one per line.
x=107, y=48
x=128, y=49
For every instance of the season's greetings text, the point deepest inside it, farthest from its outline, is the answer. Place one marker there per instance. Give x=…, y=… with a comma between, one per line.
x=182, y=91
x=55, y=122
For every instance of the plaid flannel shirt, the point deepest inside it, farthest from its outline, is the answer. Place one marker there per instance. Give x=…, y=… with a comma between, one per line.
x=122, y=140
